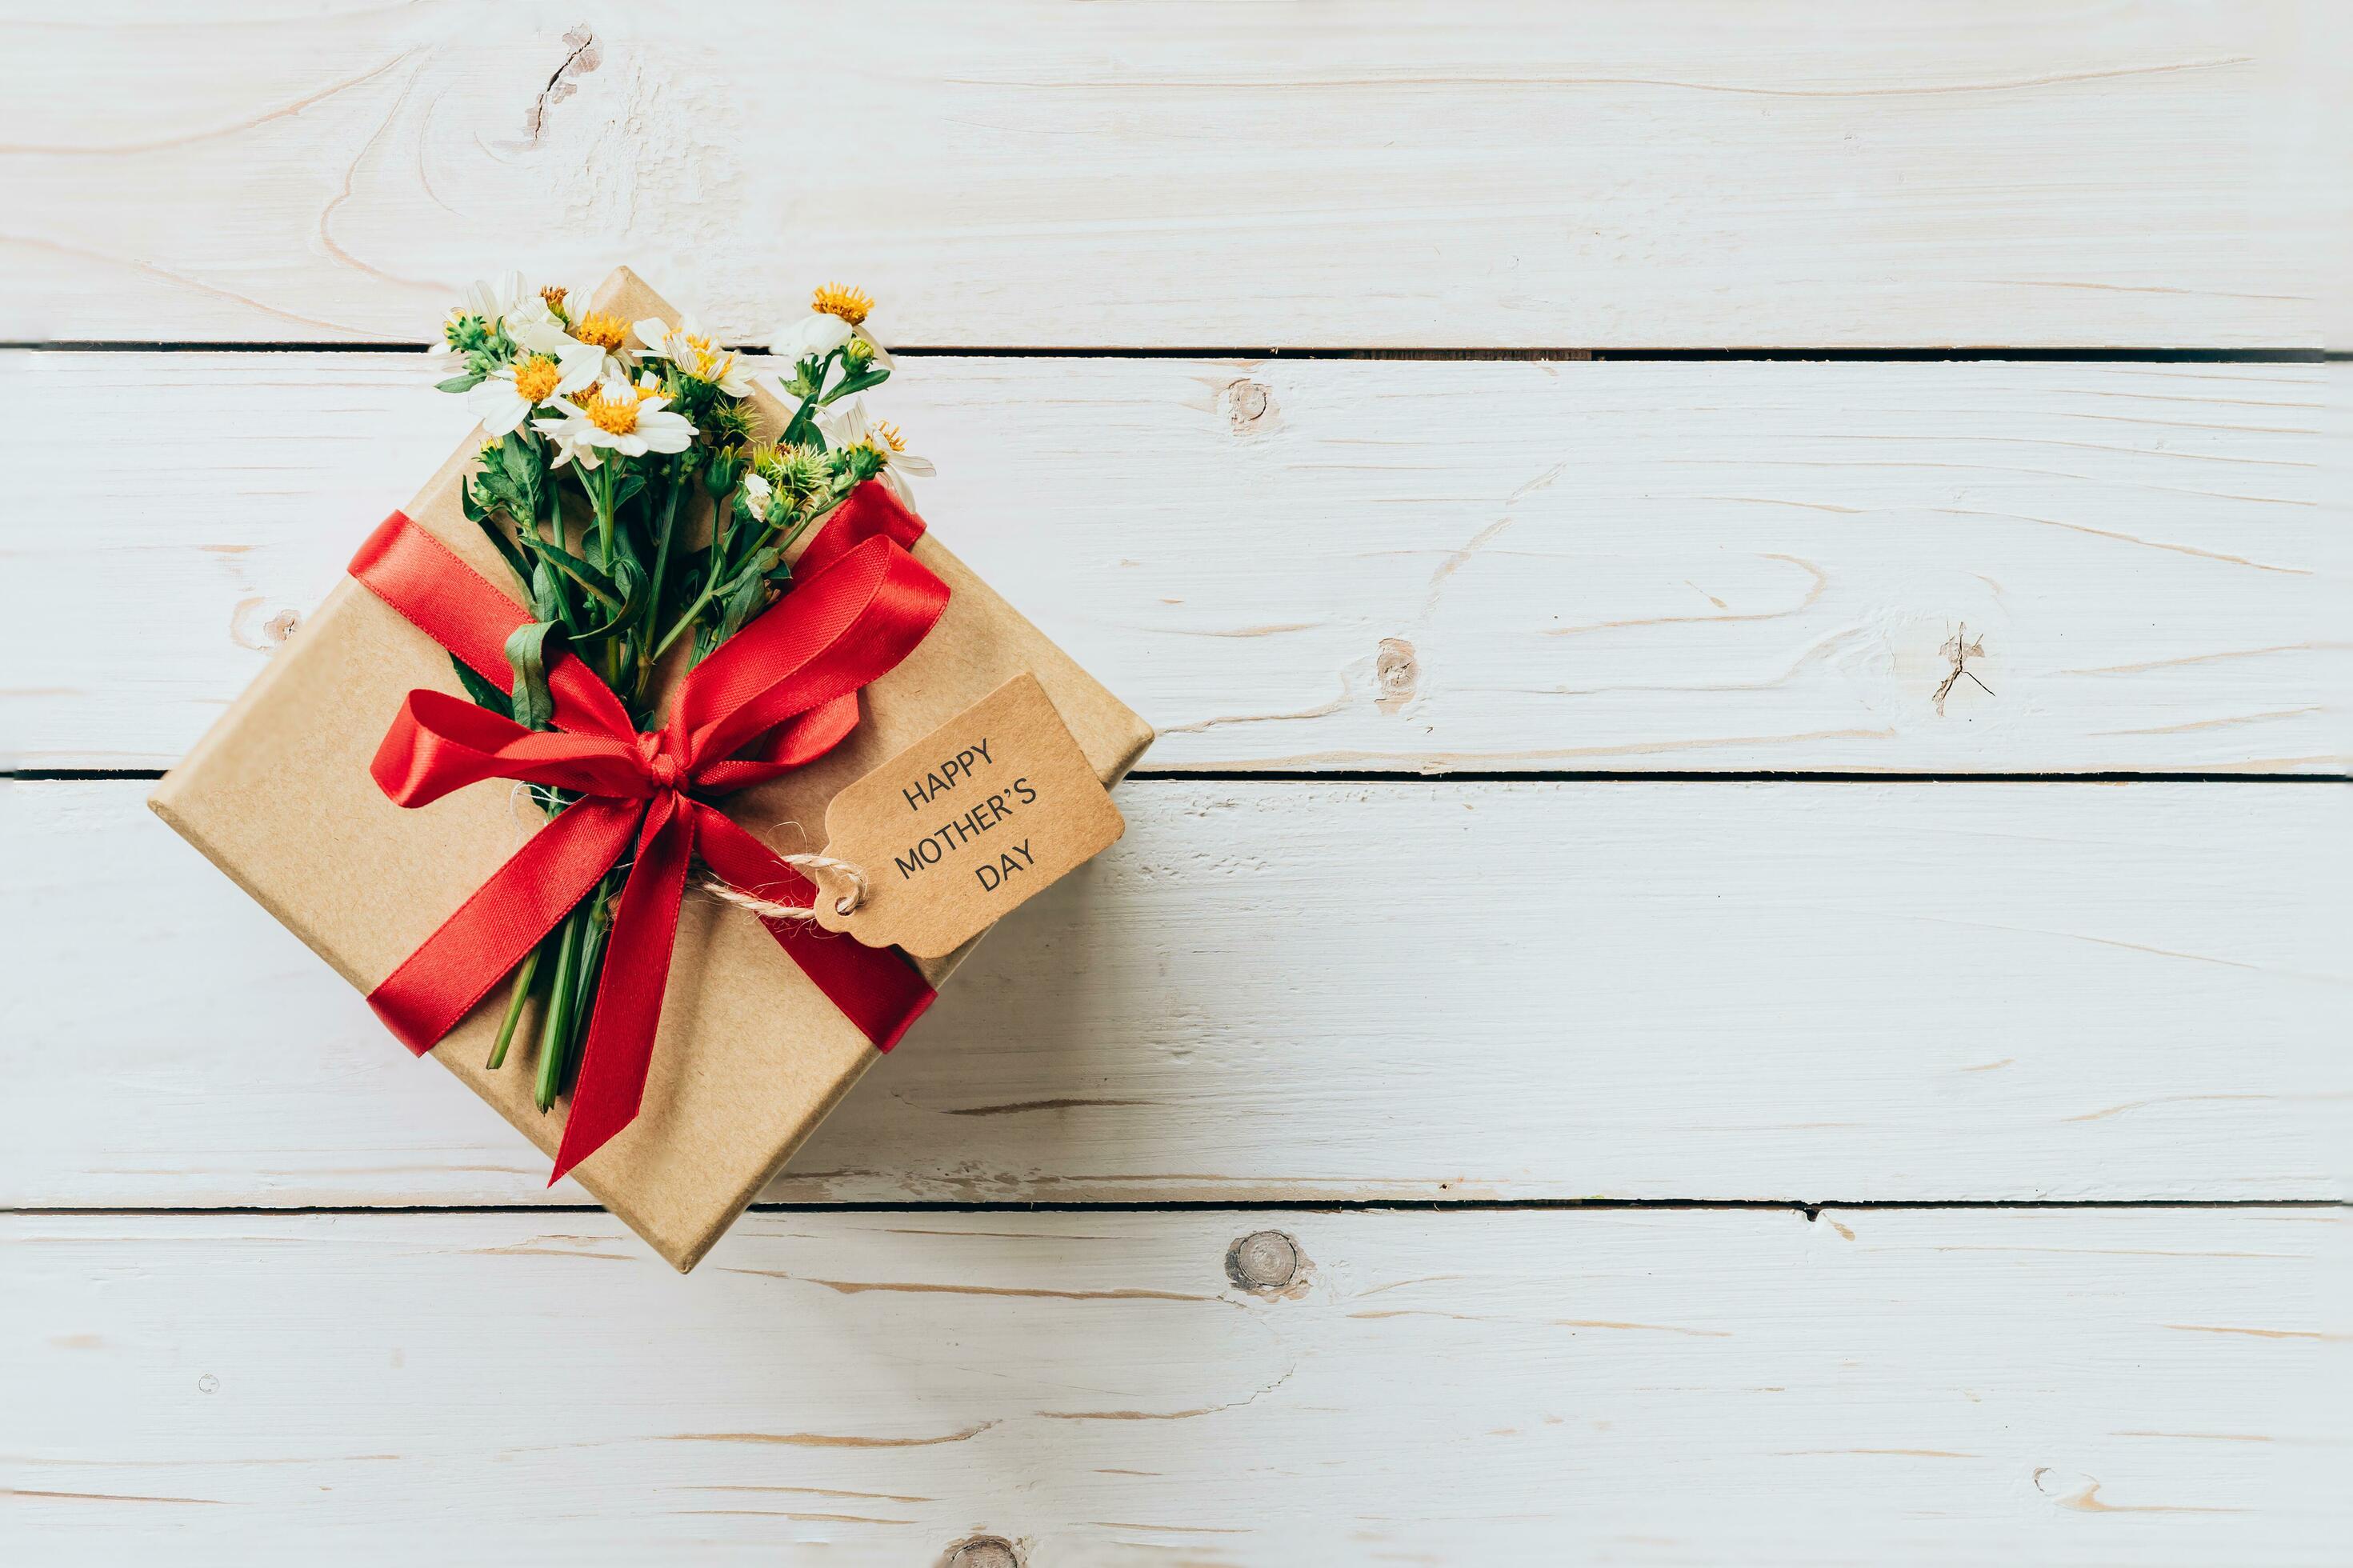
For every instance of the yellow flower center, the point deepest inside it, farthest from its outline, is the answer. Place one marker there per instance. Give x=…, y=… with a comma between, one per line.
x=554, y=297
x=709, y=364
x=606, y=332
x=841, y=299
x=535, y=376
x=884, y=437
x=616, y=418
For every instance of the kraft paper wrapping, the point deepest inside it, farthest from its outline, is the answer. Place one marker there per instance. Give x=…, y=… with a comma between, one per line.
x=750, y=1055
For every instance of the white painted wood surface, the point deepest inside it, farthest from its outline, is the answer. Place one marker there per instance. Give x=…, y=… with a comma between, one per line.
x=1900, y=991
x=1874, y=1386
x=1378, y=565
x=1410, y=990
x=1693, y=173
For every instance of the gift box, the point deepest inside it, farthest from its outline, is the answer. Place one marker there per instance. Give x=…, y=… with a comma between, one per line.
x=750, y=1054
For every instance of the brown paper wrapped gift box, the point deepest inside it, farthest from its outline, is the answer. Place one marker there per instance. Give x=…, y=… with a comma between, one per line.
x=751, y=1056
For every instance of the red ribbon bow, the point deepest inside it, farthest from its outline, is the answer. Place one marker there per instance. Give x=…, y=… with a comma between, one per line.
x=778, y=694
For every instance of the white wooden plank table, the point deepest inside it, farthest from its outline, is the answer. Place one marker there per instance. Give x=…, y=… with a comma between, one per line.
x=1735, y=949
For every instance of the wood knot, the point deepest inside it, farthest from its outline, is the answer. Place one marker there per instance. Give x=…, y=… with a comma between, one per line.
x=1248, y=405
x=1266, y=1262
x=253, y=625
x=983, y=1551
x=1398, y=674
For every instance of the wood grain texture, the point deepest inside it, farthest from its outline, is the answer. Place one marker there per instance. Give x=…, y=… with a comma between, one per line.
x=1360, y=565
x=1697, y=173
x=1874, y=1386
x=1411, y=990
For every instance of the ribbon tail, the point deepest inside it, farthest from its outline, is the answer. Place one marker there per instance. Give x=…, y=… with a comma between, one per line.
x=874, y=987
x=621, y=1045
x=502, y=920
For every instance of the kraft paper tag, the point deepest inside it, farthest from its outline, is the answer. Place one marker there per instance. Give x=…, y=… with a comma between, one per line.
x=959, y=828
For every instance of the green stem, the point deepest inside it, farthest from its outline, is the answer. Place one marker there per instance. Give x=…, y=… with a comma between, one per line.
x=555, y=1032
x=800, y=415
x=684, y=621
x=723, y=534
x=515, y=999
x=598, y=482
x=583, y=983
x=679, y=473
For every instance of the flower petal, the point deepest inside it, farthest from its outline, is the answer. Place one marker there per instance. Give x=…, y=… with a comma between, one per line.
x=577, y=364
x=816, y=334
x=498, y=405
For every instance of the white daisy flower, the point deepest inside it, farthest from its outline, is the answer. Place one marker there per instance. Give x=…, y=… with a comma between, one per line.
x=511, y=394
x=616, y=416
x=836, y=314
x=495, y=302
x=845, y=426
x=694, y=353
x=531, y=321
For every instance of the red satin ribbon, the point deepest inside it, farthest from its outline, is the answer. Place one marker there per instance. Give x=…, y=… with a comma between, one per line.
x=778, y=694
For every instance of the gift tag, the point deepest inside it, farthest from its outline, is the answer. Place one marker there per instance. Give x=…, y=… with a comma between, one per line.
x=960, y=828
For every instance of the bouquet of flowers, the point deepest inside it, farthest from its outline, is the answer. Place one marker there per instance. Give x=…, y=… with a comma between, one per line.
x=605, y=435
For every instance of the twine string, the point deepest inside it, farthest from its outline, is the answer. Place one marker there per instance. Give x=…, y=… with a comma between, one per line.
x=752, y=903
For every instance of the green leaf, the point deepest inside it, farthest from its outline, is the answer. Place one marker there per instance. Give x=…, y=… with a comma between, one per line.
x=555, y=556
x=484, y=694
x=851, y=386
x=546, y=592
x=459, y=383
x=521, y=470
x=748, y=598
x=531, y=650
x=630, y=579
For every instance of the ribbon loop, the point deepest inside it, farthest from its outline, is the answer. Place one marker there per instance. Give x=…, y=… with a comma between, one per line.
x=780, y=693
